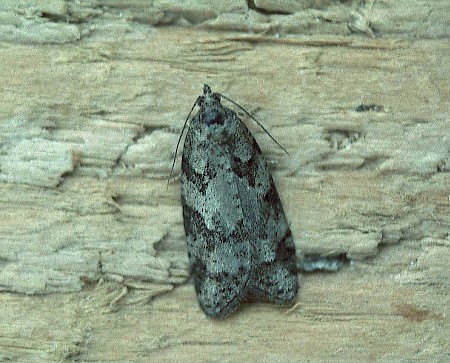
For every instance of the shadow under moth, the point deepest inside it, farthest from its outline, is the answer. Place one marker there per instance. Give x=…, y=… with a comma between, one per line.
x=239, y=243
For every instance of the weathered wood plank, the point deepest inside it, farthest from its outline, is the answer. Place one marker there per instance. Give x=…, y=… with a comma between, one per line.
x=93, y=260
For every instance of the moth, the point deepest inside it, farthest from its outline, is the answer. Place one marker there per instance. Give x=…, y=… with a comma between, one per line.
x=239, y=242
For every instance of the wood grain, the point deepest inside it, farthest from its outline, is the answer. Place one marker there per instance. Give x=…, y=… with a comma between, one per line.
x=93, y=259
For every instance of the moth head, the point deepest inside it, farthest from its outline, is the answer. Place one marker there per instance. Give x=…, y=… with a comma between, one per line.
x=209, y=98
x=206, y=89
x=213, y=117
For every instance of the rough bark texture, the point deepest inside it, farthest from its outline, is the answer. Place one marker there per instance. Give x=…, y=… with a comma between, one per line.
x=93, y=263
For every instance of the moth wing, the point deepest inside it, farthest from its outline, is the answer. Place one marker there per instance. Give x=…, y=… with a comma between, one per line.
x=274, y=273
x=218, y=245
x=277, y=280
x=220, y=279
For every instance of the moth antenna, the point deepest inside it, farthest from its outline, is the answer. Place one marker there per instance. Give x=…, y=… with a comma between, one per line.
x=179, y=139
x=259, y=123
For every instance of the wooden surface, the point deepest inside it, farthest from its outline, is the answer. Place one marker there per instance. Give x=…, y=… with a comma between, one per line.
x=93, y=263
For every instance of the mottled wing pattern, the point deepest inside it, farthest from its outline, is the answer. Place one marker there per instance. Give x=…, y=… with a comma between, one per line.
x=238, y=239
x=273, y=271
x=219, y=251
